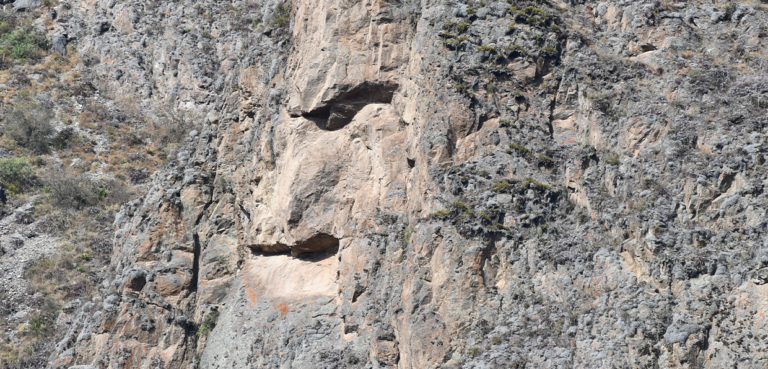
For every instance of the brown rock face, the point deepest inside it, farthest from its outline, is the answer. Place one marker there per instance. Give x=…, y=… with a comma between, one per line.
x=436, y=185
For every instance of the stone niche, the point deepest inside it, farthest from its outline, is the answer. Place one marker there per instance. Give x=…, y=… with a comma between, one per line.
x=339, y=110
x=305, y=275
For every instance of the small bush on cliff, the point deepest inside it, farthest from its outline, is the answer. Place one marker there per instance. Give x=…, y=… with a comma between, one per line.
x=171, y=127
x=209, y=322
x=612, y=158
x=604, y=104
x=500, y=186
x=440, y=213
x=73, y=191
x=282, y=16
x=457, y=208
x=458, y=205
x=19, y=40
x=76, y=192
x=545, y=160
x=407, y=233
x=15, y=174
x=24, y=44
x=520, y=149
x=32, y=344
x=29, y=125
x=66, y=138
x=528, y=181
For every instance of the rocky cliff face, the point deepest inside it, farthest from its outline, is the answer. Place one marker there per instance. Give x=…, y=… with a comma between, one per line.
x=424, y=184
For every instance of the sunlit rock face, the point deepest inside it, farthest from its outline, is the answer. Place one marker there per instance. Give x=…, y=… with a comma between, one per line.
x=438, y=185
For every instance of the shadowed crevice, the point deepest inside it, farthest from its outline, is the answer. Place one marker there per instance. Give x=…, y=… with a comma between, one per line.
x=315, y=248
x=338, y=111
x=317, y=243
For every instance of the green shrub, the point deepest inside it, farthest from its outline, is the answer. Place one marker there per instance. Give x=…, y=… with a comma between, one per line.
x=522, y=150
x=458, y=205
x=209, y=322
x=612, y=158
x=518, y=14
x=67, y=137
x=407, y=233
x=545, y=160
x=500, y=186
x=484, y=48
x=21, y=42
x=538, y=185
x=29, y=125
x=534, y=11
x=514, y=50
x=549, y=52
x=456, y=208
x=694, y=75
x=440, y=213
x=503, y=227
x=282, y=16
x=15, y=175
x=41, y=323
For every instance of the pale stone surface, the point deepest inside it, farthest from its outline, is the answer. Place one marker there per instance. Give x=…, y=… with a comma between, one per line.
x=363, y=192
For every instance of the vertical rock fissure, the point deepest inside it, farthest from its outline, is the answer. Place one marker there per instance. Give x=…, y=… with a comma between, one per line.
x=552, y=105
x=195, y=263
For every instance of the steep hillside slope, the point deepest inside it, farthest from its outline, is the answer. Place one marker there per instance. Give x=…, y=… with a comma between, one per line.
x=423, y=184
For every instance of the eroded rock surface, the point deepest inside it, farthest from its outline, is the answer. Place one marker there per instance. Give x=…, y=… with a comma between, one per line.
x=436, y=184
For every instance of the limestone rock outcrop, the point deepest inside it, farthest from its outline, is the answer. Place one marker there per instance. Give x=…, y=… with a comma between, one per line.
x=437, y=184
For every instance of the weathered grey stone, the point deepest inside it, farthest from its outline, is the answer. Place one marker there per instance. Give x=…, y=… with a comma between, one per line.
x=100, y=27
x=678, y=334
x=59, y=44
x=342, y=202
x=19, y=5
